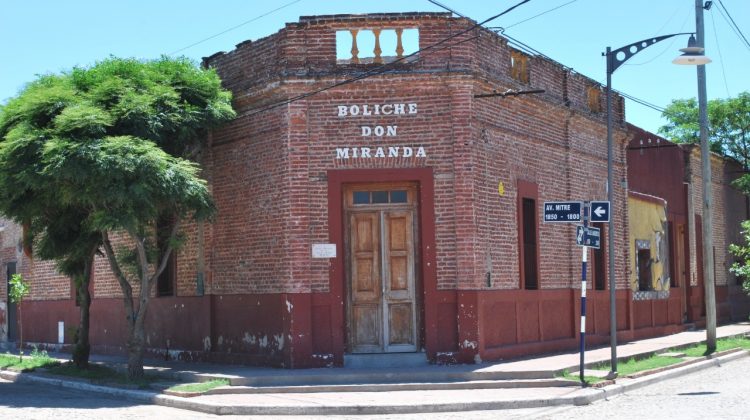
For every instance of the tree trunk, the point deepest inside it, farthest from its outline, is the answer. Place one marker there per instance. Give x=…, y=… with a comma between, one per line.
x=136, y=348
x=82, y=348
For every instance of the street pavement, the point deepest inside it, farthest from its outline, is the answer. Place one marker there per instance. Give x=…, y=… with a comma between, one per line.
x=516, y=391
x=716, y=392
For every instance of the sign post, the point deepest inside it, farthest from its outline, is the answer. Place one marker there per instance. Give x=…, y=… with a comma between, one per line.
x=584, y=258
x=570, y=212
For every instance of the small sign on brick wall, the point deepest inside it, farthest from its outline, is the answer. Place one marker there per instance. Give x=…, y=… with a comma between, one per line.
x=324, y=251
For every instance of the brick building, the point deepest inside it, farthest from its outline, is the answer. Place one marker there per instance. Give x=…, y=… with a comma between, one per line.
x=669, y=174
x=395, y=212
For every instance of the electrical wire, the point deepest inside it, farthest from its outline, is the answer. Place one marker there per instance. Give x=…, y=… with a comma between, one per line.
x=540, y=14
x=235, y=27
x=382, y=68
x=532, y=50
x=721, y=57
x=438, y=4
x=734, y=24
x=668, y=47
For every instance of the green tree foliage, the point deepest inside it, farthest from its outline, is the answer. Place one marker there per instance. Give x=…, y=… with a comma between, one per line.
x=728, y=120
x=109, y=150
x=741, y=267
x=19, y=289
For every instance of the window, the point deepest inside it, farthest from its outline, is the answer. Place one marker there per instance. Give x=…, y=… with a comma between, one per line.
x=530, y=280
x=519, y=66
x=644, y=269
x=593, y=96
x=166, y=281
x=599, y=268
x=528, y=235
x=380, y=197
x=376, y=45
x=672, y=260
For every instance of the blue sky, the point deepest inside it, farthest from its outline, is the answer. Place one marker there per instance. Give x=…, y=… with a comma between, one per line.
x=51, y=36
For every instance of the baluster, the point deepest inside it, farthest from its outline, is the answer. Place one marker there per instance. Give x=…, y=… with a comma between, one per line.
x=378, y=58
x=355, y=50
x=399, y=45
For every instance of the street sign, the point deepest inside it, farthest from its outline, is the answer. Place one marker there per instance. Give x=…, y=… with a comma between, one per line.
x=588, y=236
x=599, y=211
x=562, y=211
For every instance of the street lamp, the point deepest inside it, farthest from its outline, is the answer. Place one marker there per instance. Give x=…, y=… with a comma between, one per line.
x=694, y=55
x=615, y=58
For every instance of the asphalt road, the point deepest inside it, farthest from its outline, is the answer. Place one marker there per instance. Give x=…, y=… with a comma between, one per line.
x=713, y=393
x=717, y=392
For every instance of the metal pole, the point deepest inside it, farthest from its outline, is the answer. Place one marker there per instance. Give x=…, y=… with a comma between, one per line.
x=708, y=242
x=611, y=227
x=584, y=257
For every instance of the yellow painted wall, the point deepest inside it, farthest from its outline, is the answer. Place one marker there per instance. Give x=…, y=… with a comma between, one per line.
x=648, y=221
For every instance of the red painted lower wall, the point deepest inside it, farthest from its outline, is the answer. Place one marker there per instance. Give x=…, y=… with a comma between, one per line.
x=307, y=330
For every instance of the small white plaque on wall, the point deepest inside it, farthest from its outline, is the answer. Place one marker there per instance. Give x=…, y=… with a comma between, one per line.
x=324, y=251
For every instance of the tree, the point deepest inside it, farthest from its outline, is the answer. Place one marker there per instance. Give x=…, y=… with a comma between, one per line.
x=729, y=125
x=127, y=184
x=29, y=198
x=107, y=146
x=741, y=267
x=19, y=289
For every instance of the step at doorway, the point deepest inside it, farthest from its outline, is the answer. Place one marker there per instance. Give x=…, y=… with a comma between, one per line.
x=385, y=360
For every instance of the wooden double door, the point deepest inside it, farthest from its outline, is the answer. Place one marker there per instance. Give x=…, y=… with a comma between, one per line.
x=381, y=268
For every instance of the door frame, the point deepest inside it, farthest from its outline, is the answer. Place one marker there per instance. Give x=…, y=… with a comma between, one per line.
x=427, y=293
x=382, y=210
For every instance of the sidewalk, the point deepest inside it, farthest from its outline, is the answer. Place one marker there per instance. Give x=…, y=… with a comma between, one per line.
x=516, y=384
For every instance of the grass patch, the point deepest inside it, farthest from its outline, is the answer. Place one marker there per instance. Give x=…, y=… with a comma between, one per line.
x=721, y=345
x=586, y=379
x=201, y=386
x=102, y=375
x=37, y=359
x=639, y=365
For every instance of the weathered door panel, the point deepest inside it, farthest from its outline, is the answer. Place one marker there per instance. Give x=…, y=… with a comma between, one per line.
x=382, y=314
x=399, y=294
x=366, y=282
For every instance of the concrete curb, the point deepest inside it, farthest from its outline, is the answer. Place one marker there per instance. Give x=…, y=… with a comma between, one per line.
x=632, y=384
x=577, y=397
x=30, y=378
x=388, y=387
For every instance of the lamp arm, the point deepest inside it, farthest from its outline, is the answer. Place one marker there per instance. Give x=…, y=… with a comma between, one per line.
x=613, y=63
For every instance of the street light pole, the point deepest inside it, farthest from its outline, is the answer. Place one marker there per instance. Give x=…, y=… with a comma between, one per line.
x=615, y=58
x=694, y=56
x=611, y=226
x=708, y=241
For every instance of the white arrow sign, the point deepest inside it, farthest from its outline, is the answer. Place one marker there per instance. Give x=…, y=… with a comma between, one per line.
x=600, y=211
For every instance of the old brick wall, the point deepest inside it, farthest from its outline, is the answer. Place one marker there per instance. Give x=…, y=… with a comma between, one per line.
x=445, y=125
x=722, y=216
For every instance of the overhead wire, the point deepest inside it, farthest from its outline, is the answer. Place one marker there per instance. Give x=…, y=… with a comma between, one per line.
x=671, y=43
x=733, y=24
x=531, y=50
x=235, y=27
x=721, y=57
x=384, y=67
x=621, y=93
x=540, y=14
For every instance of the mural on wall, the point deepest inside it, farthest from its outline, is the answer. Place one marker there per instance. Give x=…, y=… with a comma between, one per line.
x=649, y=247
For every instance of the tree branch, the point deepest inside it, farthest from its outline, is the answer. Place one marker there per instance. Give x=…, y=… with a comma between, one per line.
x=127, y=290
x=167, y=253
